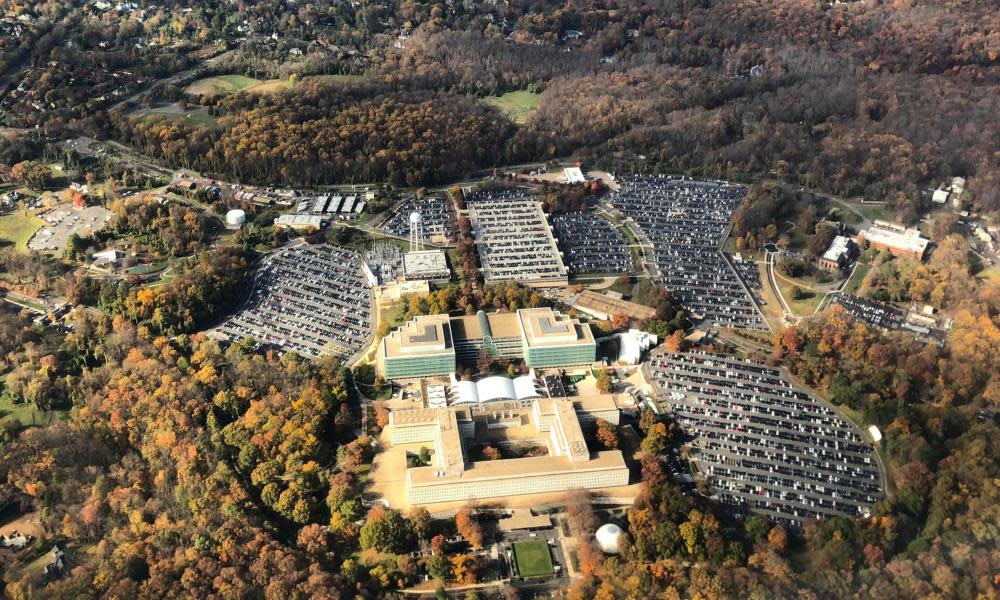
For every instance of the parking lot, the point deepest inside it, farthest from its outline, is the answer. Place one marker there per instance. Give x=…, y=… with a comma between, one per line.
x=761, y=444
x=591, y=244
x=65, y=220
x=871, y=312
x=312, y=300
x=685, y=221
x=437, y=216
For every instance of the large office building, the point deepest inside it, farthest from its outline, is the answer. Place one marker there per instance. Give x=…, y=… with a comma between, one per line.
x=451, y=477
x=898, y=240
x=424, y=347
x=431, y=345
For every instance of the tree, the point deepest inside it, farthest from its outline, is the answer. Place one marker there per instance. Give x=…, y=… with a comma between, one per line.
x=483, y=361
x=778, y=538
x=386, y=530
x=620, y=322
x=469, y=527
x=604, y=383
x=491, y=453
x=674, y=342
x=420, y=522
x=437, y=544
x=439, y=567
x=656, y=440
x=465, y=568
x=607, y=434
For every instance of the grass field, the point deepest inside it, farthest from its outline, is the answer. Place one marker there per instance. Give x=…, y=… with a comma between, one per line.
x=852, y=285
x=26, y=414
x=518, y=106
x=17, y=228
x=804, y=307
x=232, y=84
x=532, y=559
x=223, y=84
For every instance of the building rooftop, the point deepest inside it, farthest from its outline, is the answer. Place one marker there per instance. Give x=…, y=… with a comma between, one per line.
x=424, y=335
x=524, y=467
x=477, y=326
x=571, y=442
x=425, y=263
x=896, y=236
x=574, y=175
x=604, y=304
x=545, y=327
x=838, y=247
x=523, y=519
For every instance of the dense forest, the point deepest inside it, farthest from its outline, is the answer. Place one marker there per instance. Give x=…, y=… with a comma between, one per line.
x=320, y=134
x=874, y=100
x=172, y=467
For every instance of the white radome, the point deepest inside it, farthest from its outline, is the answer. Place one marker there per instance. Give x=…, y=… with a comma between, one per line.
x=609, y=538
x=236, y=217
x=415, y=217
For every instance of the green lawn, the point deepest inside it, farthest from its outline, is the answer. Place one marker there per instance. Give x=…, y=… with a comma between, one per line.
x=532, y=559
x=26, y=414
x=518, y=106
x=854, y=283
x=645, y=293
x=803, y=307
x=17, y=228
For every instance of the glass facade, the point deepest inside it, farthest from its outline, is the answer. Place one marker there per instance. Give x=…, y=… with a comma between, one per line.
x=404, y=367
x=558, y=356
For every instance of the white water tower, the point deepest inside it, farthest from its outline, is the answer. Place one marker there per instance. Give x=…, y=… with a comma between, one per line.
x=416, y=232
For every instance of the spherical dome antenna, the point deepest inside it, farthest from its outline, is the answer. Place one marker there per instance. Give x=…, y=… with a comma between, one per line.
x=415, y=217
x=609, y=538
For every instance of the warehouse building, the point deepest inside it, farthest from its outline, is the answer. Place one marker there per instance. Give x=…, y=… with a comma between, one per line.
x=898, y=240
x=430, y=345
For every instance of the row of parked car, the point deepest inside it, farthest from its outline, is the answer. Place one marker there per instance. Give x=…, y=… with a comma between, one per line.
x=763, y=444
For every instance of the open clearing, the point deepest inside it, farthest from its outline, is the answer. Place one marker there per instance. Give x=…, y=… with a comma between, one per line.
x=231, y=84
x=26, y=414
x=532, y=558
x=174, y=112
x=518, y=106
x=223, y=84
x=18, y=228
x=65, y=220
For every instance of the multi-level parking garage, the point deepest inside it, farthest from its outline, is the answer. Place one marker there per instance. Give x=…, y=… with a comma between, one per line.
x=591, y=244
x=515, y=241
x=762, y=444
x=436, y=214
x=685, y=221
x=312, y=300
